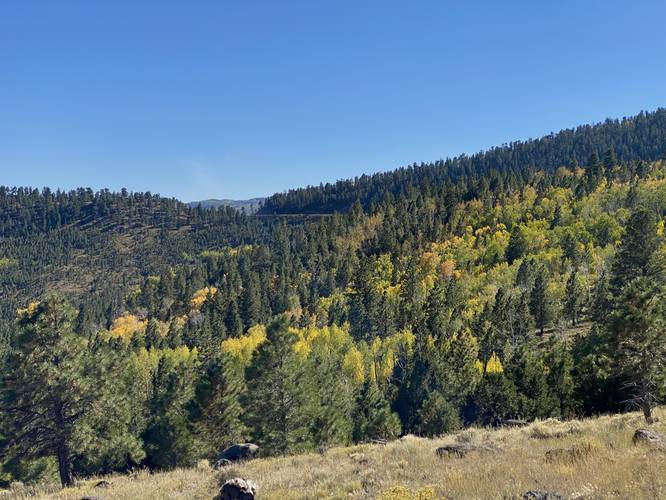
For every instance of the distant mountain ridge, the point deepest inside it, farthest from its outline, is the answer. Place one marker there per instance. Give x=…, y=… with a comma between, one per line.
x=250, y=206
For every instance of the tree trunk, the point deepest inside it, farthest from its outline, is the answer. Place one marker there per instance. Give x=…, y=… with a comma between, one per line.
x=647, y=411
x=65, y=466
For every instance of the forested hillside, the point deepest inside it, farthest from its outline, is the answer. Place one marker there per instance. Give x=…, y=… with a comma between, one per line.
x=526, y=282
x=642, y=137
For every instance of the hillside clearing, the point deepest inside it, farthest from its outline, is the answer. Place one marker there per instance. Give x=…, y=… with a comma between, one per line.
x=593, y=458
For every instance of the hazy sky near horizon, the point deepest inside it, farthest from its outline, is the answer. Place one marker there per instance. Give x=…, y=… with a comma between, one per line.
x=236, y=99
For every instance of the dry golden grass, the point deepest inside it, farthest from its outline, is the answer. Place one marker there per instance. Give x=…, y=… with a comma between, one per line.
x=593, y=458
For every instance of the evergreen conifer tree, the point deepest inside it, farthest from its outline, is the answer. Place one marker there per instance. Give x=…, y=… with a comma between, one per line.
x=60, y=397
x=216, y=410
x=279, y=405
x=540, y=304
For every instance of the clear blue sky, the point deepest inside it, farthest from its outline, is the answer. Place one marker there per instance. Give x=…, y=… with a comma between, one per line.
x=244, y=98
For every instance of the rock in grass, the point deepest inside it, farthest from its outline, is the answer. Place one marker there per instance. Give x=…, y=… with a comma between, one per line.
x=576, y=453
x=221, y=463
x=459, y=450
x=238, y=452
x=542, y=495
x=238, y=489
x=648, y=436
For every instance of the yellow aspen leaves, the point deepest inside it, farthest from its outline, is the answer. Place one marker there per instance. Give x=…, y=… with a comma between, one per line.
x=354, y=365
x=242, y=348
x=125, y=326
x=494, y=365
x=28, y=311
x=382, y=355
x=201, y=296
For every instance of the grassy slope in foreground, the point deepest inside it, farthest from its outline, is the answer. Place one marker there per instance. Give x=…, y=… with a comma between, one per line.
x=608, y=465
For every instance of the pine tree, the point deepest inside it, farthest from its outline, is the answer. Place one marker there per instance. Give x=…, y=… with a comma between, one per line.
x=494, y=401
x=573, y=297
x=233, y=323
x=540, y=302
x=610, y=159
x=373, y=418
x=216, y=410
x=169, y=435
x=517, y=245
x=601, y=300
x=279, y=404
x=593, y=172
x=56, y=389
x=635, y=255
x=251, y=302
x=153, y=337
x=523, y=327
x=638, y=330
x=526, y=274
x=559, y=361
x=536, y=398
x=333, y=400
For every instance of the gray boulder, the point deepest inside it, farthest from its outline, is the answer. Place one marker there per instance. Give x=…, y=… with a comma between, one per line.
x=238, y=452
x=223, y=462
x=238, y=489
x=649, y=437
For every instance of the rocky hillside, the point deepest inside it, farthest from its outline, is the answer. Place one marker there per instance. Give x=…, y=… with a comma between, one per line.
x=586, y=459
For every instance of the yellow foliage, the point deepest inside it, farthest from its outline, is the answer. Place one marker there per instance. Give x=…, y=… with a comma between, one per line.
x=404, y=493
x=382, y=355
x=125, y=326
x=324, y=305
x=6, y=262
x=447, y=267
x=353, y=364
x=200, y=296
x=328, y=340
x=383, y=273
x=146, y=362
x=28, y=311
x=242, y=348
x=494, y=365
x=180, y=321
x=181, y=354
x=429, y=259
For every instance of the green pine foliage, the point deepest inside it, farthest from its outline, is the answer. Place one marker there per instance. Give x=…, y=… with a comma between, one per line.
x=279, y=405
x=216, y=410
x=63, y=398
